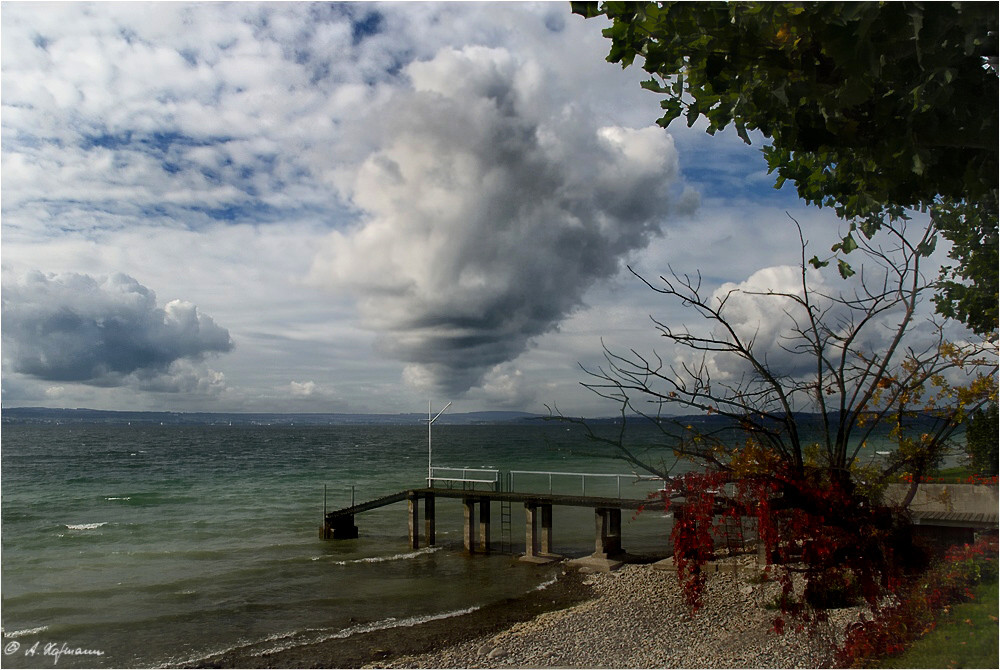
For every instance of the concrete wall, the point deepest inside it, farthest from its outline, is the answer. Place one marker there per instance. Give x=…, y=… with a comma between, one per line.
x=967, y=498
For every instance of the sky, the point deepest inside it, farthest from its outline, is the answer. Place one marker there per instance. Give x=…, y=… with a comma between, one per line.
x=361, y=207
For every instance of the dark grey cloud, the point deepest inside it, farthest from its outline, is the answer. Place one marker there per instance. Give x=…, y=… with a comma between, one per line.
x=490, y=210
x=106, y=331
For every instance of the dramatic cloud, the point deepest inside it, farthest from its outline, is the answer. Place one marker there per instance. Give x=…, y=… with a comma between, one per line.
x=489, y=214
x=107, y=331
x=460, y=183
x=763, y=314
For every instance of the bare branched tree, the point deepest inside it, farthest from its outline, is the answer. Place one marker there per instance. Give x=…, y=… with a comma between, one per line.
x=861, y=362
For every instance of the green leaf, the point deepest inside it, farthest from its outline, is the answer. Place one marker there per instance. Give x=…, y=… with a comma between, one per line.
x=653, y=85
x=585, y=9
x=847, y=245
x=817, y=263
x=926, y=248
x=845, y=269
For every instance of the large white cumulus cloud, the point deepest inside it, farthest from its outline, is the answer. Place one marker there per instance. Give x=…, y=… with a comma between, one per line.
x=766, y=312
x=488, y=210
x=107, y=331
x=764, y=316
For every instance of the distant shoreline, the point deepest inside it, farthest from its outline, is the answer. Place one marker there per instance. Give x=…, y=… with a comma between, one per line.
x=49, y=415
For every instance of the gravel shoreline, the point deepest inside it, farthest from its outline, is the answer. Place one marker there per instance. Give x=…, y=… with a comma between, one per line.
x=638, y=619
x=634, y=617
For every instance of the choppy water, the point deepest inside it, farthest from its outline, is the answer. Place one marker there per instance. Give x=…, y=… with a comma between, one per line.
x=161, y=544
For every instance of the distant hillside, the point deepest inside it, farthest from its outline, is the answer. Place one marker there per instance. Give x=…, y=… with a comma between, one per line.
x=47, y=415
x=52, y=415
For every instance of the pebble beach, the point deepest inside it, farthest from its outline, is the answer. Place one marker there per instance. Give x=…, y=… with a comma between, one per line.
x=633, y=617
x=637, y=619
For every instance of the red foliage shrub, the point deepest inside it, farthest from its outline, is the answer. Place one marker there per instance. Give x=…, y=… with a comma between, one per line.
x=807, y=524
x=913, y=614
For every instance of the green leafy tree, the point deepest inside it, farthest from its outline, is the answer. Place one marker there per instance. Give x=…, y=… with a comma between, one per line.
x=981, y=439
x=871, y=108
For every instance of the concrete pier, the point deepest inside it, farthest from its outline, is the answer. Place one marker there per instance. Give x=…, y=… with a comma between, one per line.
x=608, y=536
x=339, y=528
x=965, y=509
x=469, y=529
x=413, y=520
x=429, y=519
x=539, y=546
x=484, y=525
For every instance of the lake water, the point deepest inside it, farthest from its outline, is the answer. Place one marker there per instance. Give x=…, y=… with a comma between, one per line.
x=163, y=544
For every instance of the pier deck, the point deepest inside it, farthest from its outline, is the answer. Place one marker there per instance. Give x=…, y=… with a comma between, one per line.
x=955, y=525
x=516, y=496
x=538, y=506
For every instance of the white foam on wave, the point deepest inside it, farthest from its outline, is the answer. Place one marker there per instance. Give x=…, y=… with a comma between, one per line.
x=383, y=559
x=119, y=498
x=358, y=629
x=85, y=526
x=317, y=635
x=546, y=584
x=26, y=631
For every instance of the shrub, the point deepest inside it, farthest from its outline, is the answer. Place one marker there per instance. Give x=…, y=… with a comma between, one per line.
x=914, y=613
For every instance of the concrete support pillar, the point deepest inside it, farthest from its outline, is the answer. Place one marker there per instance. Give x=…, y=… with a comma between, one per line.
x=413, y=520
x=484, y=525
x=608, y=540
x=601, y=532
x=468, y=530
x=530, y=530
x=546, y=529
x=343, y=528
x=429, y=519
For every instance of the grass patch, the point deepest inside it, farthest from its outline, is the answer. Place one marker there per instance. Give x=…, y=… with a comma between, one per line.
x=960, y=472
x=965, y=638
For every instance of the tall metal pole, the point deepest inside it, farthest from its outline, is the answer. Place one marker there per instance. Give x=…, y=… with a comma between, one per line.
x=430, y=422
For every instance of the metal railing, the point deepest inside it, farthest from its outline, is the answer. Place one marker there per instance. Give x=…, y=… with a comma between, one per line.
x=465, y=476
x=582, y=477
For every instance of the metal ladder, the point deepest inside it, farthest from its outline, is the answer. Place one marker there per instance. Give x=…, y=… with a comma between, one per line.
x=506, y=543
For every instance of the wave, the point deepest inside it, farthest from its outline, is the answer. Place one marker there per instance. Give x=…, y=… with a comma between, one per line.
x=384, y=559
x=279, y=642
x=26, y=631
x=119, y=498
x=85, y=526
x=546, y=584
x=384, y=624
